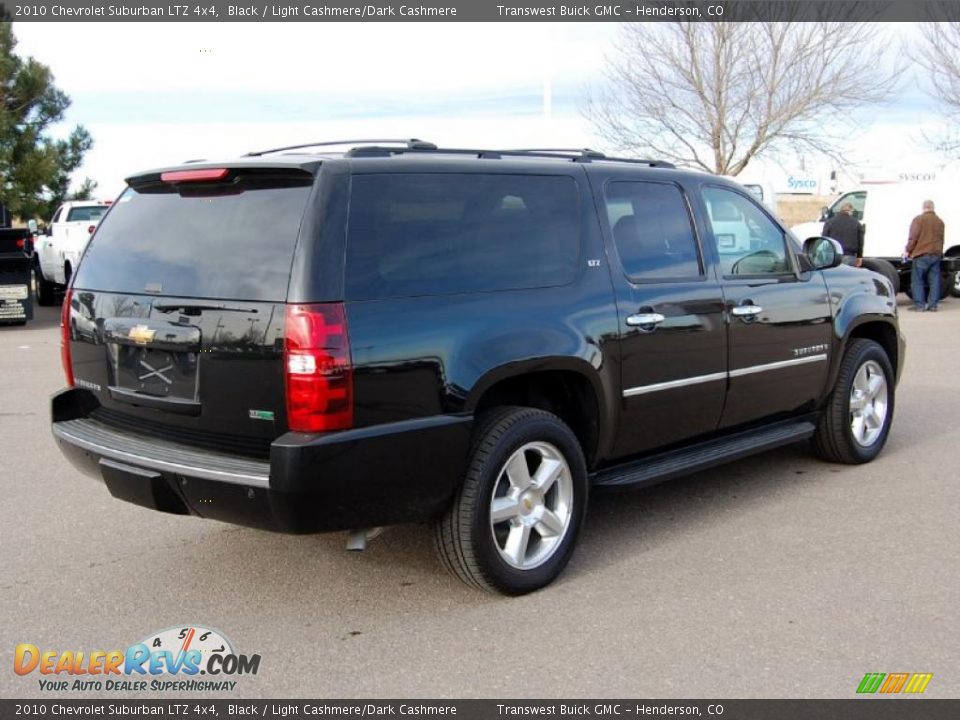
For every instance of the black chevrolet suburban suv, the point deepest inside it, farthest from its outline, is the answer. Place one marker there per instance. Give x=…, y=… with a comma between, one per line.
x=307, y=341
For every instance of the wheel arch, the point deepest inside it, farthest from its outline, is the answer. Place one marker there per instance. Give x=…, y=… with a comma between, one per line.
x=567, y=387
x=882, y=331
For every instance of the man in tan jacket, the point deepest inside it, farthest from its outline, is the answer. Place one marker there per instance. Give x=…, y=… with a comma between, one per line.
x=925, y=248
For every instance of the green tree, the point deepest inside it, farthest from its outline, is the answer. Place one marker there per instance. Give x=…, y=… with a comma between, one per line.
x=35, y=168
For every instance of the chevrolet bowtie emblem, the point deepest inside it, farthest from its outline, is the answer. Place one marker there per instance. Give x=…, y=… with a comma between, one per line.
x=141, y=334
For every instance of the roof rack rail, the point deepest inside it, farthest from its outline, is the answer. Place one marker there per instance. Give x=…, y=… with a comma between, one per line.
x=583, y=152
x=409, y=143
x=574, y=155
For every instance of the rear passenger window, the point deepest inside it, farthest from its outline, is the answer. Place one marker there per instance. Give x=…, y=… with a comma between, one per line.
x=652, y=230
x=440, y=234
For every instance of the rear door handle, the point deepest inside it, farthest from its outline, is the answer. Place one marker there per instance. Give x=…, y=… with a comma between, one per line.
x=746, y=311
x=645, y=319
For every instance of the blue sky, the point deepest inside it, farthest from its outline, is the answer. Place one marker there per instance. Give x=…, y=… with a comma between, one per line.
x=158, y=93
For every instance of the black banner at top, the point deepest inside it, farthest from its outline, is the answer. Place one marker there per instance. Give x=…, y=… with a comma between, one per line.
x=480, y=11
x=287, y=709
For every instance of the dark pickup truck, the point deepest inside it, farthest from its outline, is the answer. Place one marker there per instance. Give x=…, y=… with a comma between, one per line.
x=16, y=300
x=308, y=341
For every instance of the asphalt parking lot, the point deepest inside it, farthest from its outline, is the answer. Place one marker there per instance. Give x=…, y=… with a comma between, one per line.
x=778, y=576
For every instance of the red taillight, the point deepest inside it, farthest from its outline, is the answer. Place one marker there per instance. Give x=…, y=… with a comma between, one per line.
x=65, y=338
x=91, y=229
x=318, y=369
x=21, y=243
x=199, y=175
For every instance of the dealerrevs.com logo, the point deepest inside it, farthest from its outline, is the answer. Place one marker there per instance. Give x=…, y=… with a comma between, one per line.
x=170, y=660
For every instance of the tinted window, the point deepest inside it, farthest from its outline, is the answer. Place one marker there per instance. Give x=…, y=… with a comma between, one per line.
x=652, y=230
x=86, y=214
x=748, y=242
x=206, y=241
x=449, y=233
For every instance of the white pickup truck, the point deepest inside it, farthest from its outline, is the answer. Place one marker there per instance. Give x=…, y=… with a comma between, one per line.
x=58, y=250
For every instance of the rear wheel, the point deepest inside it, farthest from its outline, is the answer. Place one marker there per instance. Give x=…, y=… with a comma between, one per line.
x=949, y=285
x=953, y=286
x=945, y=289
x=856, y=421
x=513, y=525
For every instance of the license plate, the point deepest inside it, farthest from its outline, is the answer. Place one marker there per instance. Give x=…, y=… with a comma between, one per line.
x=14, y=292
x=161, y=373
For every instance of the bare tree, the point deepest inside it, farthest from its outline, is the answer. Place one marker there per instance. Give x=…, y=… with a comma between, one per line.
x=937, y=57
x=716, y=95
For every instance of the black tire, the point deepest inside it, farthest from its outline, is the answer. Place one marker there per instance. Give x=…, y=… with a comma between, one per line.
x=953, y=286
x=885, y=269
x=834, y=438
x=46, y=290
x=464, y=537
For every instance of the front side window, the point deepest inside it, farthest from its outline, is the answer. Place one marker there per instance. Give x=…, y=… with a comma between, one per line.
x=652, y=231
x=755, y=190
x=857, y=199
x=447, y=233
x=748, y=241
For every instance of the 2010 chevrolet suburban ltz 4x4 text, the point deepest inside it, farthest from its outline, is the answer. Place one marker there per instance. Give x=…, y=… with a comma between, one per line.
x=309, y=342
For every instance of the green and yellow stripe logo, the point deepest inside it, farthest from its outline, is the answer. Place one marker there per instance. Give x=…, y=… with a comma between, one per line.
x=890, y=683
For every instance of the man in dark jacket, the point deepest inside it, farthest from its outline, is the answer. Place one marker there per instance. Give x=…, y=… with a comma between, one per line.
x=846, y=230
x=925, y=248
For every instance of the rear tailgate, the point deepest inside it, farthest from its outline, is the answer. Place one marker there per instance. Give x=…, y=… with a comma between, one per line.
x=15, y=249
x=176, y=318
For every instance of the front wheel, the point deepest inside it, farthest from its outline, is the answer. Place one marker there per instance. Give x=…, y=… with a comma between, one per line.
x=856, y=421
x=513, y=525
x=884, y=268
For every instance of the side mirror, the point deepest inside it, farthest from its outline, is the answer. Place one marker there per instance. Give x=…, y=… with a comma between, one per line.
x=824, y=213
x=823, y=252
x=32, y=226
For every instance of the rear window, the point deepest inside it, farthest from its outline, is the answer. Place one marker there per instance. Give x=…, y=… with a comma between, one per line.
x=226, y=240
x=440, y=234
x=86, y=214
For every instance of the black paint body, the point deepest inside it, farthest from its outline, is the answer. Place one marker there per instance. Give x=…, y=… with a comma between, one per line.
x=424, y=366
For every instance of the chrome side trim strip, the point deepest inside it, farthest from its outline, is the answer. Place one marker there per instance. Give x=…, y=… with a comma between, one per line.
x=777, y=365
x=262, y=481
x=697, y=379
x=669, y=385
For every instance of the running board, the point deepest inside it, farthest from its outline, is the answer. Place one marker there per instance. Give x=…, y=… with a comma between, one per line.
x=705, y=455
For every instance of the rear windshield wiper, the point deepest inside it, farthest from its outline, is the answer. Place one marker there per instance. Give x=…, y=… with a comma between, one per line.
x=189, y=309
